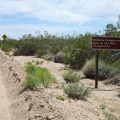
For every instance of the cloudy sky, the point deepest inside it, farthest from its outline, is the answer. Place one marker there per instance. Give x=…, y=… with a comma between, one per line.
x=19, y=17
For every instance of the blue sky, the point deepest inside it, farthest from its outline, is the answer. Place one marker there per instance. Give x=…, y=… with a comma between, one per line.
x=19, y=17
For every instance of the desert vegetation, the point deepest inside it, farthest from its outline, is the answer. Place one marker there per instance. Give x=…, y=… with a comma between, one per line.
x=77, y=91
x=104, y=71
x=73, y=50
x=71, y=77
x=37, y=76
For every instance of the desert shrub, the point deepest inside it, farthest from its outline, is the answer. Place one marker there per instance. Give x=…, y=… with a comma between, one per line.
x=79, y=51
x=117, y=64
x=32, y=82
x=59, y=58
x=75, y=58
x=30, y=68
x=103, y=106
x=71, y=77
x=115, y=80
x=48, y=56
x=77, y=91
x=26, y=47
x=39, y=62
x=104, y=71
x=46, y=77
x=109, y=116
x=6, y=47
x=60, y=97
x=55, y=48
x=36, y=76
x=40, y=52
x=89, y=68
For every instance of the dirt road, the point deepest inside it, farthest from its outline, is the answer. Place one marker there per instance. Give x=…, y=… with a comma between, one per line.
x=105, y=94
x=4, y=102
x=19, y=104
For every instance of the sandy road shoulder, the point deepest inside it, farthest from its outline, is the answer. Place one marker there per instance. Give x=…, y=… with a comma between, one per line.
x=4, y=102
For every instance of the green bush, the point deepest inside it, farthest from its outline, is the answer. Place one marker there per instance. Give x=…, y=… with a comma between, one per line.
x=39, y=62
x=36, y=76
x=48, y=57
x=79, y=51
x=117, y=64
x=60, y=97
x=30, y=68
x=40, y=52
x=103, y=106
x=71, y=77
x=26, y=47
x=32, y=82
x=77, y=91
x=104, y=71
x=89, y=68
x=46, y=77
x=6, y=47
x=115, y=80
x=109, y=116
x=76, y=58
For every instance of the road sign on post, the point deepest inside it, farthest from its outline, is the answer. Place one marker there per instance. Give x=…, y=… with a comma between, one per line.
x=103, y=43
x=106, y=42
x=4, y=37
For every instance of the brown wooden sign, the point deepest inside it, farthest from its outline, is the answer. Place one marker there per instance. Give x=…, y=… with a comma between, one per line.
x=106, y=42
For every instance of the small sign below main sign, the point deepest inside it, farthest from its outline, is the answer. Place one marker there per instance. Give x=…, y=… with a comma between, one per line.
x=106, y=42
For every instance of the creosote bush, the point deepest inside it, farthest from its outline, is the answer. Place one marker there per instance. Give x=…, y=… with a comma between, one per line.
x=36, y=76
x=71, y=77
x=26, y=47
x=77, y=91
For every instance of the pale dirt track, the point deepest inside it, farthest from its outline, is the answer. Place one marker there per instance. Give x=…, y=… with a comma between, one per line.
x=4, y=102
x=42, y=104
x=104, y=94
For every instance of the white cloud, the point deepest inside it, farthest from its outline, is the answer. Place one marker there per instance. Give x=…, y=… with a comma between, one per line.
x=67, y=13
x=11, y=7
x=64, y=11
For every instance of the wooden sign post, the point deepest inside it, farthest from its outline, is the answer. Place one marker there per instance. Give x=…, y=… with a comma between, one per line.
x=96, y=69
x=103, y=43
